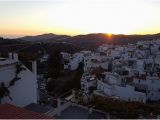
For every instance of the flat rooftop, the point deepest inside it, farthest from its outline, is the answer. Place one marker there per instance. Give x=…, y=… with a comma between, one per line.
x=37, y=108
x=75, y=112
x=6, y=61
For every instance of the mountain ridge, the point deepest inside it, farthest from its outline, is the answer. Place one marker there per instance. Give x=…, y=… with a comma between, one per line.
x=42, y=37
x=88, y=41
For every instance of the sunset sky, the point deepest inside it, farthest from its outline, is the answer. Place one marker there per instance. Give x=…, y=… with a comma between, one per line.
x=72, y=17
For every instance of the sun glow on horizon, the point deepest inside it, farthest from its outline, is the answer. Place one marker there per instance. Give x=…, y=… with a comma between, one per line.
x=74, y=17
x=109, y=35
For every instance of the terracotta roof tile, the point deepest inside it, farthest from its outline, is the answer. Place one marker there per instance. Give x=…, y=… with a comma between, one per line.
x=8, y=111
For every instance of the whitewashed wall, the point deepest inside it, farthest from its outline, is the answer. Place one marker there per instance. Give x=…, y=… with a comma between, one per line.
x=24, y=91
x=124, y=93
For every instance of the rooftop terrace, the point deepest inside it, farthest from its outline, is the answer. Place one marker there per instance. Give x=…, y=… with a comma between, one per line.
x=4, y=62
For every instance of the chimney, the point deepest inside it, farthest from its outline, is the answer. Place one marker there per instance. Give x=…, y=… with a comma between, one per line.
x=34, y=71
x=34, y=67
x=15, y=56
x=10, y=55
x=73, y=95
x=59, y=107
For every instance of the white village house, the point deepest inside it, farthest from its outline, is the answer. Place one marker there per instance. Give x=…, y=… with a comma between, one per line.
x=124, y=68
x=132, y=71
x=20, y=81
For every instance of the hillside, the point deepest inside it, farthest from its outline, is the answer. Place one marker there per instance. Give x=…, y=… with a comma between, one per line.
x=90, y=41
x=44, y=38
x=94, y=40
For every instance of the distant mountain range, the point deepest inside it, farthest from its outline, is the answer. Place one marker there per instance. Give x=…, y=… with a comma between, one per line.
x=44, y=37
x=88, y=41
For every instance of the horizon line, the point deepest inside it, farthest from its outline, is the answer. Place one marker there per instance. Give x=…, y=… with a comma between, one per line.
x=3, y=36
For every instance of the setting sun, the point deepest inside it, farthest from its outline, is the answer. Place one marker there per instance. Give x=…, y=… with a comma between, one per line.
x=109, y=35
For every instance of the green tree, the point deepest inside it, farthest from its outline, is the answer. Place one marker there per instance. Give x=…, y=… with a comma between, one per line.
x=55, y=65
x=4, y=91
